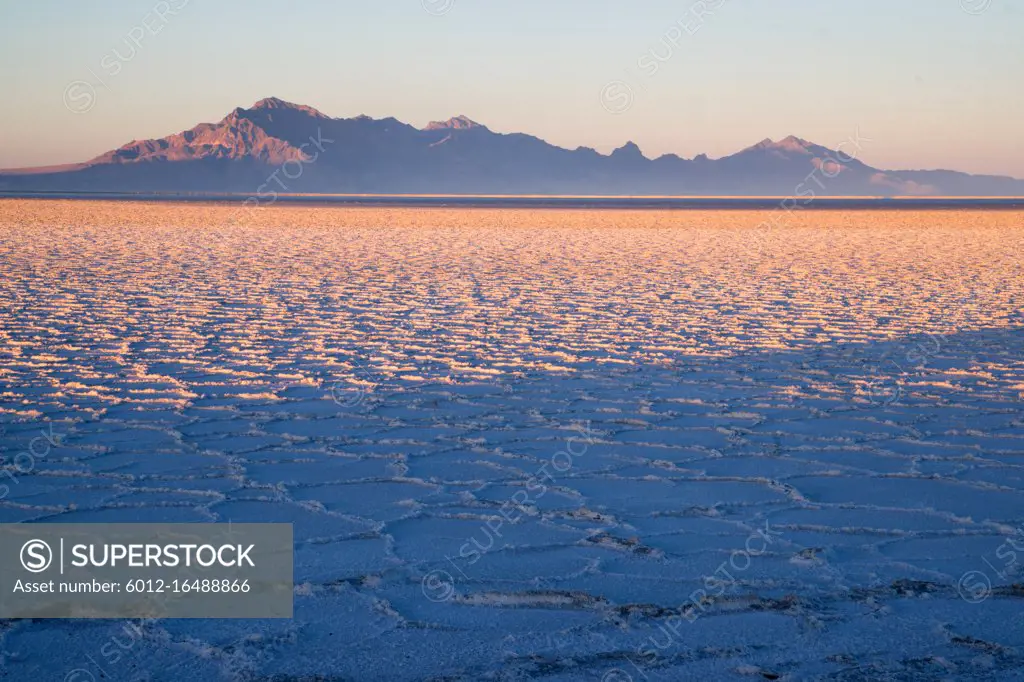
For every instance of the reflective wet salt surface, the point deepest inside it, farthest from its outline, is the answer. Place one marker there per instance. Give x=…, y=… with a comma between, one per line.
x=534, y=444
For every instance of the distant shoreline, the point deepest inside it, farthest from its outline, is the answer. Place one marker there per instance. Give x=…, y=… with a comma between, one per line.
x=551, y=201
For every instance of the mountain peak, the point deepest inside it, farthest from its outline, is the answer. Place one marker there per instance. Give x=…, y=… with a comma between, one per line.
x=274, y=103
x=460, y=122
x=792, y=143
x=630, y=150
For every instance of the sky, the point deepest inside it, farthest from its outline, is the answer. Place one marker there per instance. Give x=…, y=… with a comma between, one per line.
x=927, y=83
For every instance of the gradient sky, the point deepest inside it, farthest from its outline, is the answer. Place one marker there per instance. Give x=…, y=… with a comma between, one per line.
x=928, y=83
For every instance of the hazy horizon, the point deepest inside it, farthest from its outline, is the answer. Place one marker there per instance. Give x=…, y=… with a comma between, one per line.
x=932, y=85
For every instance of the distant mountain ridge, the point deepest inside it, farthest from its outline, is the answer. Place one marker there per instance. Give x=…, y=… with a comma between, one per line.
x=277, y=146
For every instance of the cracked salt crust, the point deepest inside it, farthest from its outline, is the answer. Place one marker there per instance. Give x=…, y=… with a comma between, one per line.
x=852, y=380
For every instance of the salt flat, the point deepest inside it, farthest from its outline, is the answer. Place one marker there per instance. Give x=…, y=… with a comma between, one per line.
x=533, y=444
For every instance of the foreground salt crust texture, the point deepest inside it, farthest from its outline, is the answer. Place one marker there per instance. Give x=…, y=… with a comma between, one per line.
x=519, y=444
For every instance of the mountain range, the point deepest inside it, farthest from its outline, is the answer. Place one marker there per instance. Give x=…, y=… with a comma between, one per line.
x=278, y=147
